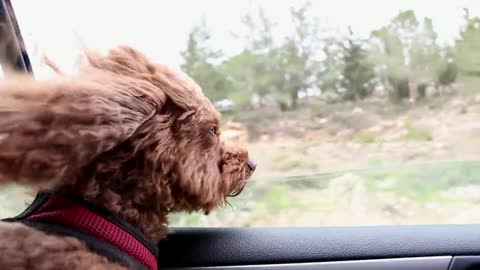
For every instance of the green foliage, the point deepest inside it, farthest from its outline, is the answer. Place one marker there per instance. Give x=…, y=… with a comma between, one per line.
x=272, y=71
x=299, y=54
x=423, y=183
x=405, y=186
x=198, y=63
x=424, y=54
x=468, y=50
x=402, y=56
x=388, y=55
x=277, y=198
x=406, y=51
x=286, y=161
x=357, y=73
x=417, y=133
x=447, y=68
x=366, y=138
x=331, y=67
x=249, y=74
x=255, y=71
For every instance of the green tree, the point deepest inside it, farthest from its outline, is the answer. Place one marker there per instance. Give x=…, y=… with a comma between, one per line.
x=298, y=56
x=467, y=53
x=252, y=76
x=253, y=71
x=446, y=69
x=199, y=61
x=272, y=71
x=468, y=48
x=408, y=57
x=357, y=73
x=424, y=58
x=388, y=54
x=330, y=68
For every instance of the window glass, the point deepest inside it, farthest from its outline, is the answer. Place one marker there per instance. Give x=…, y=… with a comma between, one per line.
x=357, y=112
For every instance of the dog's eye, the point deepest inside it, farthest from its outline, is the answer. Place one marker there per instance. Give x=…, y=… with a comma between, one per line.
x=213, y=130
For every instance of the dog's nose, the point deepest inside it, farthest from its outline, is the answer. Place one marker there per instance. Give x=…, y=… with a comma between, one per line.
x=252, y=165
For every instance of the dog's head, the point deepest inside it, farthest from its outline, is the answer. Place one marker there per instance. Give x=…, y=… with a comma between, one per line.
x=180, y=139
x=134, y=136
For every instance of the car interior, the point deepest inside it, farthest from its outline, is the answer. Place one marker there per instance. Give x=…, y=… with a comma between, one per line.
x=439, y=247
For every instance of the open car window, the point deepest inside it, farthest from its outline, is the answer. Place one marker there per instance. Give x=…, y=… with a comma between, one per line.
x=339, y=137
x=351, y=121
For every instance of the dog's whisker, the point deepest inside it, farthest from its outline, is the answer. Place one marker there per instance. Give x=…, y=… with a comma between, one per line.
x=237, y=192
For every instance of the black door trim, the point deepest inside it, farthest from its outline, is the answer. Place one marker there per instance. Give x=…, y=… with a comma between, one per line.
x=195, y=247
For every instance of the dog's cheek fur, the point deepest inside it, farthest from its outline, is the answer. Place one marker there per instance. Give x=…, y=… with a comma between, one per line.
x=206, y=178
x=234, y=168
x=198, y=178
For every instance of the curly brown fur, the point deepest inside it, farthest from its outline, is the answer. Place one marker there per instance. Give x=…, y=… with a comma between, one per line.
x=126, y=134
x=24, y=248
x=51, y=64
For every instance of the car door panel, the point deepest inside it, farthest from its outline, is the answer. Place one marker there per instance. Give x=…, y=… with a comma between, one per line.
x=254, y=248
x=421, y=263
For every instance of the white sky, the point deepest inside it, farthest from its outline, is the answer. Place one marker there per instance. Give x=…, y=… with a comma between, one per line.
x=160, y=27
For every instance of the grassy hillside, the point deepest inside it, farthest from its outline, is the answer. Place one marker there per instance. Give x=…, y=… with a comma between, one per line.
x=350, y=164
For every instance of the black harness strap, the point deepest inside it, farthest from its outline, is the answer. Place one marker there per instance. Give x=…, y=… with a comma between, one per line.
x=93, y=243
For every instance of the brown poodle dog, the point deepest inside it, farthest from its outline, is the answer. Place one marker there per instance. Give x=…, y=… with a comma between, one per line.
x=126, y=135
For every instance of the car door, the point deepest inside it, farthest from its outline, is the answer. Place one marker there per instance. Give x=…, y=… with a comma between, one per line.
x=382, y=247
x=441, y=247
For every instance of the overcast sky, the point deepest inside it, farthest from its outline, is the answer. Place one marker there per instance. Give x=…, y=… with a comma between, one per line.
x=160, y=27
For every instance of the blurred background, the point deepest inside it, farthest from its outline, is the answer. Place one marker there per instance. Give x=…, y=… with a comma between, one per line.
x=357, y=112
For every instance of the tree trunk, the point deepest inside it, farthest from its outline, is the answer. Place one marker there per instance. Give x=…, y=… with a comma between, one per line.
x=283, y=106
x=422, y=91
x=294, y=100
x=413, y=90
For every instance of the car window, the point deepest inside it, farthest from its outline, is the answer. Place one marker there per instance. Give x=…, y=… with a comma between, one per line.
x=356, y=112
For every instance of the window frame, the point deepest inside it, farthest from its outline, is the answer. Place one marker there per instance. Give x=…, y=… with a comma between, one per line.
x=15, y=56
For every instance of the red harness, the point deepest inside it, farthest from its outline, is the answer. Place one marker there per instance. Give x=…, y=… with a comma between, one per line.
x=103, y=232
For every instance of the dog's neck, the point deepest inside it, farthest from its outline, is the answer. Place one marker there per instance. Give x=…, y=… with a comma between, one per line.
x=152, y=223
x=102, y=231
x=125, y=190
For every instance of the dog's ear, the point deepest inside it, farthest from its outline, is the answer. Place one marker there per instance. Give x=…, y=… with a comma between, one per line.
x=52, y=65
x=49, y=130
x=129, y=62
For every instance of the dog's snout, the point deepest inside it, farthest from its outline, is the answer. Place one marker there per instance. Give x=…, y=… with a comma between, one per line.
x=252, y=165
